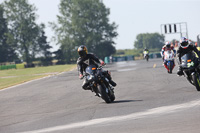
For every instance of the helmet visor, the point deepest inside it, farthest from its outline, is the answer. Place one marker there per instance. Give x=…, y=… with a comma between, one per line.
x=168, y=46
x=184, y=44
x=82, y=53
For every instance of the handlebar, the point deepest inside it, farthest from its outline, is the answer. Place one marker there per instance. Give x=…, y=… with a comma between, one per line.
x=100, y=67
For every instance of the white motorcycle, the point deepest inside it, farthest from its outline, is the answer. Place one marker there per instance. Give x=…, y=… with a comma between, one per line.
x=146, y=55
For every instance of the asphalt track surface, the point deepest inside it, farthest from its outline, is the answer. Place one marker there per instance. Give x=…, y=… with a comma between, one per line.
x=148, y=100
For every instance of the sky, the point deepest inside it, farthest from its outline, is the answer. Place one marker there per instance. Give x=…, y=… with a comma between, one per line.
x=134, y=17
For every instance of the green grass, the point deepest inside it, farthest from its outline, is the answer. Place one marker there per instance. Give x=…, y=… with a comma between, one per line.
x=16, y=76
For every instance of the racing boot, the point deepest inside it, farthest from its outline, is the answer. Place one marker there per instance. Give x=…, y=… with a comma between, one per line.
x=112, y=83
x=180, y=72
x=108, y=75
x=86, y=86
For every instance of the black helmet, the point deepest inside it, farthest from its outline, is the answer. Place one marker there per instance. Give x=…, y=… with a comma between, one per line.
x=184, y=42
x=168, y=44
x=82, y=51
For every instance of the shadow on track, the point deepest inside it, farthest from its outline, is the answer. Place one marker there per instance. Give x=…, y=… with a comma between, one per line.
x=125, y=101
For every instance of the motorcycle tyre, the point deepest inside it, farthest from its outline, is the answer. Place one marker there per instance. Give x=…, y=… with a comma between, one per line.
x=104, y=95
x=190, y=80
x=170, y=67
x=147, y=58
x=196, y=81
x=112, y=95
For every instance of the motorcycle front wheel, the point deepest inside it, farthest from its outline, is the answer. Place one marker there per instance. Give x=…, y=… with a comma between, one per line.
x=147, y=58
x=112, y=95
x=170, y=67
x=104, y=94
x=195, y=78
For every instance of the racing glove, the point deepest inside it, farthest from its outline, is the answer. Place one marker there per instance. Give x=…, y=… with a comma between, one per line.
x=102, y=63
x=81, y=76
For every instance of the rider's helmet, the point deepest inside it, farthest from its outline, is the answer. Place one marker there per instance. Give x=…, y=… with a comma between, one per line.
x=82, y=51
x=168, y=44
x=184, y=42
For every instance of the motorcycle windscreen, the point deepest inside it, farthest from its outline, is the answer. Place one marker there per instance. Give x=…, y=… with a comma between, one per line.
x=168, y=55
x=188, y=60
x=91, y=69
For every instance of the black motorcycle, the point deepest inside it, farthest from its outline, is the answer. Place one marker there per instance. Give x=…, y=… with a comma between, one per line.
x=99, y=84
x=190, y=66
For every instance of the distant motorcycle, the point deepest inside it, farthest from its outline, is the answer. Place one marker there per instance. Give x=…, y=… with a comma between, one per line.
x=146, y=55
x=190, y=66
x=169, y=60
x=99, y=84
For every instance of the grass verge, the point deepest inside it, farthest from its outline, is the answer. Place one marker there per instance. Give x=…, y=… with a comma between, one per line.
x=16, y=76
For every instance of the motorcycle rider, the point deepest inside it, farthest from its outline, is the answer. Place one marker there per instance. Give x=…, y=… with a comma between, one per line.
x=85, y=59
x=184, y=48
x=167, y=47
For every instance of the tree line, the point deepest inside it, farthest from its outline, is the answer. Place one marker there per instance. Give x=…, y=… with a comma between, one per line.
x=154, y=41
x=79, y=23
x=149, y=40
x=20, y=37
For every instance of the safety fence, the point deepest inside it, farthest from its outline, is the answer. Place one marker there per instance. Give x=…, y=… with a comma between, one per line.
x=6, y=67
x=12, y=66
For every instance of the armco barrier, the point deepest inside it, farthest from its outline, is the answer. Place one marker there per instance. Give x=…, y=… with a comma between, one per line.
x=119, y=58
x=106, y=60
x=155, y=55
x=5, y=67
x=129, y=57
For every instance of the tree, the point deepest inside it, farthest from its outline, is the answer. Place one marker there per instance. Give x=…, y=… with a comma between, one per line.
x=23, y=30
x=7, y=51
x=46, y=54
x=84, y=22
x=149, y=40
x=59, y=55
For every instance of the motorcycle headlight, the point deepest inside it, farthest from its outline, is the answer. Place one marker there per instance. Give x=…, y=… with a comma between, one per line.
x=91, y=77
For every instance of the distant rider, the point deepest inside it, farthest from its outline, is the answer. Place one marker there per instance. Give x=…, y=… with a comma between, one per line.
x=184, y=48
x=145, y=51
x=85, y=60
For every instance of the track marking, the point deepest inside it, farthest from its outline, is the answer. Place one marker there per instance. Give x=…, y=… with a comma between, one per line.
x=148, y=113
